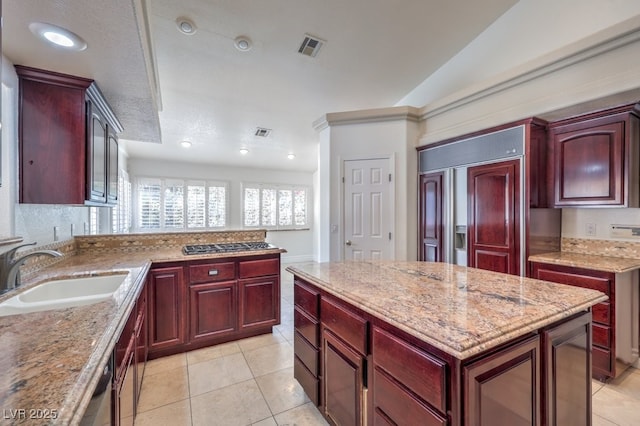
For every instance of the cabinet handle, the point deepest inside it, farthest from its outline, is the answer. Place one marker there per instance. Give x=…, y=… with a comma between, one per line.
x=213, y=272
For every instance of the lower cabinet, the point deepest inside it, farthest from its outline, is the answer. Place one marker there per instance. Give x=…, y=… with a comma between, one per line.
x=504, y=388
x=260, y=306
x=203, y=302
x=130, y=354
x=567, y=379
x=167, y=307
x=213, y=310
x=604, y=314
x=371, y=373
x=343, y=381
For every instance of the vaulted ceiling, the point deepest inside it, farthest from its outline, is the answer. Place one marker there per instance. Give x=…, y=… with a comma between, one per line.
x=167, y=86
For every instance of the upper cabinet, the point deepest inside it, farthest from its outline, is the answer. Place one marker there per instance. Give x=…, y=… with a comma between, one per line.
x=68, y=140
x=596, y=159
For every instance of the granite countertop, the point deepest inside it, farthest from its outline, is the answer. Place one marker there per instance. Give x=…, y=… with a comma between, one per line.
x=588, y=261
x=462, y=311
x=52, y=360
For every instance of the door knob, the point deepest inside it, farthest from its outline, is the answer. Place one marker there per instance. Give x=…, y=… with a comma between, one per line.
x=348, y=242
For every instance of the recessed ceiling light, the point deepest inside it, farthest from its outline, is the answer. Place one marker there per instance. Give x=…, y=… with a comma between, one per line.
x=244, y=151
x=185, y=144
x=186, y=26
x=58, y=36
x=291, y=156
x=243, y=43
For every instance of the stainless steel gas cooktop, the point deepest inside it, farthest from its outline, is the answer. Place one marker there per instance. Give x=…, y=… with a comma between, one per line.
x=226, y=247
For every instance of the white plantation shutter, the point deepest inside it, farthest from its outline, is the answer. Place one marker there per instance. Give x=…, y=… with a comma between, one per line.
x=121, y=212
x=300, y=207
x=251, y=207
x=149, y=203
x=217, y=205
x=174, y=204
x=275, y=206
x=180, y=204
x=196, y=205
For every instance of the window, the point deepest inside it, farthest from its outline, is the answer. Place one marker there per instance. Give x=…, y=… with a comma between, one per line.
x=180, y=204
x=275, y=206
x=121, y=213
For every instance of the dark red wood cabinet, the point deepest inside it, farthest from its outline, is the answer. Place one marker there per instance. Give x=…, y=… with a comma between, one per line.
x=431, y=205
x=306, y=340
x=130, y=354
x=493, y=216
x=506, y=204
x=372, y=373
x=504, y=388
x=596, y=159
x=604, y=313
x=344, y=337
x=67, y=140
x=167, y=308
x=203, y=302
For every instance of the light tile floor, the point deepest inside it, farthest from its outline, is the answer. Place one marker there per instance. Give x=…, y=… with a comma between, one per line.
x=250, y=382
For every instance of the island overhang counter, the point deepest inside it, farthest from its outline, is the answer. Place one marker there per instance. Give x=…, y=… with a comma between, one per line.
x=384, y=342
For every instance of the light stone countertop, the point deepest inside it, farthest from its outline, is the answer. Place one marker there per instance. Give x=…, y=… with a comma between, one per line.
x=462, y=311
x=52, y=360
x=588, y=261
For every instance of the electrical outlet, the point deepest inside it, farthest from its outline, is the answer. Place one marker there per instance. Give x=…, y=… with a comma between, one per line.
x=591, y=229
x=56, y=233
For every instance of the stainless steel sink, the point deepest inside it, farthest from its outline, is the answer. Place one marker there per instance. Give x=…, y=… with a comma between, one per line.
x=66, y=293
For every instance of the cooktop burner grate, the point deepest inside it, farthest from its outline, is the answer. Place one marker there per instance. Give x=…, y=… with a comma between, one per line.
x=225, y=247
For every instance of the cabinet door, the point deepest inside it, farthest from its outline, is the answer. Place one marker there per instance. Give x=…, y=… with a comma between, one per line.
x=589, y=165
x=52, y=117
x=504, y=388
x=166, y=308
x=112, y=166
x=213, y=309
x=259, y=302
x=431, y=217
x=96, y=155
x=343, y=384
x=567, y=375
x=604, y=346
x=494, y=217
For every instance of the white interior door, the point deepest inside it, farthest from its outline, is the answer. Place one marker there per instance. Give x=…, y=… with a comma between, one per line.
x=368, y=210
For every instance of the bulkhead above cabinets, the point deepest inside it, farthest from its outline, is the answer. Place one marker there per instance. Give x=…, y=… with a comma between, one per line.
x=68, y=144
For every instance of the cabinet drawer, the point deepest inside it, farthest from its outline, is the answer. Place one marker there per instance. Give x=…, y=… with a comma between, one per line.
x=393, y=405
x=208, y=272
x=601, y=335
x=596, y=283
x=308, y=381
x=259, y=268
x=602, y=360
x=306, y=326
x=422, y=373
x=602, y=313
x=348, y=326
x=306, y=353
x=306, y=299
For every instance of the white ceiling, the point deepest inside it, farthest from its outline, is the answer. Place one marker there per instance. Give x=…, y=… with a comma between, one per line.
x=214, y=95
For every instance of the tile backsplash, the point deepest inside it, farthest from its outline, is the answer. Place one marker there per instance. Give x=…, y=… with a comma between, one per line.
x=611, y=248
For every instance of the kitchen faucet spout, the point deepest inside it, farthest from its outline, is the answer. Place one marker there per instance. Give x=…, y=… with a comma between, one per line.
x=10, y=266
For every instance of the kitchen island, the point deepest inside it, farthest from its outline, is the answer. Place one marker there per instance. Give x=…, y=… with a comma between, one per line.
x=440, y=344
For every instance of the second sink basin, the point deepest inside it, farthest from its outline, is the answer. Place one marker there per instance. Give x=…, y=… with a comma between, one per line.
x=64, y=293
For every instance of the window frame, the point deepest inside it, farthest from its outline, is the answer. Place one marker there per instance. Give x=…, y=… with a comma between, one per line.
x=164, y=183
x=277, y=187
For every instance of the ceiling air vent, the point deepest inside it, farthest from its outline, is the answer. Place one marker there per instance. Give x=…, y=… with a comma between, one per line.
x=261, y=132
x=310, y=46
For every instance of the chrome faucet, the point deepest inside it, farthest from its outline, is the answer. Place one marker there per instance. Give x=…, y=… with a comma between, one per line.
x=10, y=266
